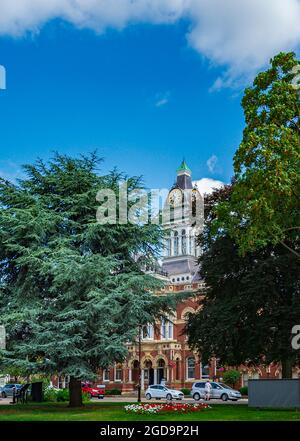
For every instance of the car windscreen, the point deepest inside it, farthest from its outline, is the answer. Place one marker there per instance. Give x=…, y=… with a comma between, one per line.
x=225, y=386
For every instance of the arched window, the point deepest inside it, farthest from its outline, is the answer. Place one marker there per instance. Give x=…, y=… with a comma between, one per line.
x=176, y=243
x=183, y=242
x=191, y=367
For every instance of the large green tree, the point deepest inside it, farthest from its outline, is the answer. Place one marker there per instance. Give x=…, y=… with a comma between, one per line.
x=265, y=204
x=73, y=292
x=251, y=302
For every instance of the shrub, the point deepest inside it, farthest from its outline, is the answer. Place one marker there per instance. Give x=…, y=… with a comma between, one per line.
x=185, y=391
x=244, y=390
x=113, y=392
x=231, y=377
x=85, y=397
x=50, y=395
x=62, y=395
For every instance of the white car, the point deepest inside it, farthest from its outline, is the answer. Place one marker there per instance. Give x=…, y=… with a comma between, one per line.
x=218, y=391
x=159, y=391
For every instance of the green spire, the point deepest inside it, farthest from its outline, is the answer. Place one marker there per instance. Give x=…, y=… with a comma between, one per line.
x=183, y=167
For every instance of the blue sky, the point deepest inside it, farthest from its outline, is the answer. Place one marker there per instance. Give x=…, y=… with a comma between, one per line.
x=142, y=96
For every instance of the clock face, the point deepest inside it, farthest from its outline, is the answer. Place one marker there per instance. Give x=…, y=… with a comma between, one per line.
x=175, y=197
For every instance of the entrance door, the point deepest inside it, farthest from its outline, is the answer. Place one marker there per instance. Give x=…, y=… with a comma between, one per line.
x=161, y=371
x=151, y=376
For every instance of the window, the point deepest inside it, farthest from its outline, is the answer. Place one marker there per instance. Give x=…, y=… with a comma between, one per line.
x=148, y=332
x=63, y=381
x=166, y=330
x=118, y=372
x=168, y=247
x=176, y=243
x=205, y=371
x=183, y=242
x=190, y=367
x=191, y=244
x=106, y=375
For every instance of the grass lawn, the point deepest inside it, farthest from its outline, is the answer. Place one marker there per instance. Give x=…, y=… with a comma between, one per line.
x=115, y=412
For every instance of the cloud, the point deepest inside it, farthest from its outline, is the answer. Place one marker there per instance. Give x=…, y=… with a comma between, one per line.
x=240, y=36
x=10, y=171
x=212, y=163
x=207, y=185
x=162, y=100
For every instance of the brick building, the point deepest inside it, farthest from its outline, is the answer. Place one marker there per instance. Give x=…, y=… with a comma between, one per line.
x=164, y=350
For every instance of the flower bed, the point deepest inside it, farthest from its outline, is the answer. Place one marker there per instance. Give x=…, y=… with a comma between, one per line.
x=165, y=408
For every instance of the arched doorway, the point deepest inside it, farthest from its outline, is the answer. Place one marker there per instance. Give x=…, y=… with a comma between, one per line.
x=148, y=372
x=177, y=369
x=135, y=372
x=161, y=365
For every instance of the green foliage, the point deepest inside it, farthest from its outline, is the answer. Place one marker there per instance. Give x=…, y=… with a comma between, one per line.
x=264, y=207
x=186, y=392
x=231, y=377
x=113, y=392
x=244, y=390
x=62, y=395
x=72, y=290
x=50, y=395
x=251, y=302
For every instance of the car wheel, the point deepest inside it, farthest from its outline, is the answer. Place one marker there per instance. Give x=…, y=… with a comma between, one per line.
x=224, y=397
x=3, y=395
x=148, y=397
x=169, y=397
x=196, y=396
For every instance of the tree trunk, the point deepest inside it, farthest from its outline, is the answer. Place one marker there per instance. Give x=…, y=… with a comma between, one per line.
x=75, y=392
x=287, y=368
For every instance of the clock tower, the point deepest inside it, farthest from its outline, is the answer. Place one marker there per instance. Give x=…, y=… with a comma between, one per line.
x=181, y=250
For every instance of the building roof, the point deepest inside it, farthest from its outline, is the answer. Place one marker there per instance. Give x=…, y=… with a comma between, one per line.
x=183, y=167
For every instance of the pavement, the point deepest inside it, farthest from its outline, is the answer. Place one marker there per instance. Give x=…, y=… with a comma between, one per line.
x=125, y=399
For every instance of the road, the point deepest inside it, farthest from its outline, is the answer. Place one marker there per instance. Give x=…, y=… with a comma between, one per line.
x=125, y=399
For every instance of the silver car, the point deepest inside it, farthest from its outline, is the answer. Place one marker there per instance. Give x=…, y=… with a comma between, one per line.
x=8, y=389
x=158, y=391
x=218, y=391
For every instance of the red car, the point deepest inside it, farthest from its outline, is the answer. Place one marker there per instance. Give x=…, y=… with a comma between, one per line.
x=93, y=391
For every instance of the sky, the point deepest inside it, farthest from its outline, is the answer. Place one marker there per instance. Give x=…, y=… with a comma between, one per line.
x=146, y=83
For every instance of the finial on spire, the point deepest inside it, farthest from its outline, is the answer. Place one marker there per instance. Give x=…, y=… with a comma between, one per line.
x=183, y=168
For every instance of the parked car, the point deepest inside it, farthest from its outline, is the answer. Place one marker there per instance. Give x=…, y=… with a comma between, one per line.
x=159, y=391
x=93, y=391
x=218, y=391
x=8, y=389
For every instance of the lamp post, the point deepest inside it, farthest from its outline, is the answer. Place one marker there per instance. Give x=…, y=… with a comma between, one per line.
x=140, y=367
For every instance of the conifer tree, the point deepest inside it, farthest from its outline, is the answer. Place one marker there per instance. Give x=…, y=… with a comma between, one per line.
x=73, y=292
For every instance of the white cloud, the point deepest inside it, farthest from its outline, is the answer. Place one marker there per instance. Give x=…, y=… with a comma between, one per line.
x=239, y=35
x=10, y=171
x=207, y=185
x=212, y=163
x=162, y=100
